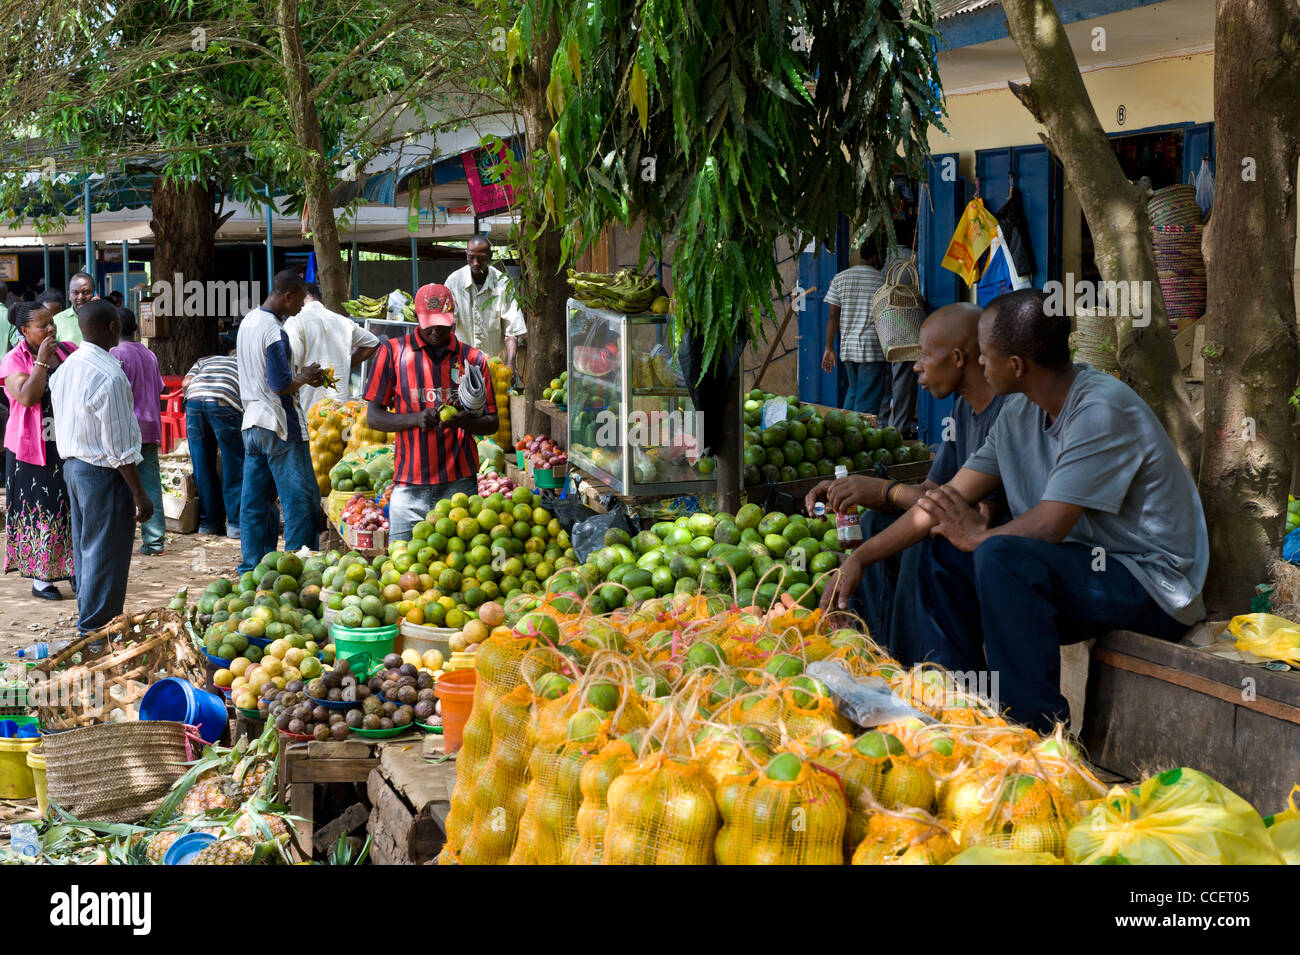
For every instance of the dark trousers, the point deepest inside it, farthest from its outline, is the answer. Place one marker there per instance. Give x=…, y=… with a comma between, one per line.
x=884, y=599
x=900, y=401
x=1011, y=605
x=273, y=467
x=103, y=530
x=212, y=426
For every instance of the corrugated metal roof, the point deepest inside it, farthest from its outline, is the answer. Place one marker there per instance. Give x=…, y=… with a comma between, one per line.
x=955, y=8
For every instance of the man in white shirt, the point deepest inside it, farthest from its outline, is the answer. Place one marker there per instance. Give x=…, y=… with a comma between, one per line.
x=274, y=432
x=330, y=340
x=99, y=440
x=487, y=316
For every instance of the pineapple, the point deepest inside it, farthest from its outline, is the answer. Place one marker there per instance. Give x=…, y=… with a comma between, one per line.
x=226, y=852
x=158, y=845
x=211, y=793
x=244, y=826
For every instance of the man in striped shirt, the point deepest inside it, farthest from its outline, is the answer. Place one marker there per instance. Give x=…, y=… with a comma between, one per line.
x=848, y=310
x=414, y=391
x=214, y=419
x=99, y=440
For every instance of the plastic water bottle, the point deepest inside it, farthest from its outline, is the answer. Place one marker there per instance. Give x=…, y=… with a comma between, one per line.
x=23, y=839
x=37, y=651
x=848, y=530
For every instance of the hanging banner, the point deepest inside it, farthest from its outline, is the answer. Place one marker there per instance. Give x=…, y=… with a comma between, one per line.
x=486, y=172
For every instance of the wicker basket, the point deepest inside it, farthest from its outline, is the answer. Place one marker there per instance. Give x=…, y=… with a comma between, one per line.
x=1093, y=340
x=117, y=772
x=138, y=649
x=897, y=311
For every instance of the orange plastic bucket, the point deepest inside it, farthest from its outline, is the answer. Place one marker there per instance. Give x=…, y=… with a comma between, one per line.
x=455, y=689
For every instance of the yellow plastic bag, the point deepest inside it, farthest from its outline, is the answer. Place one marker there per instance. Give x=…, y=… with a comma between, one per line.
x=974, y=234
x=1181, y=817
x=1267, y=635
x=1284, y=829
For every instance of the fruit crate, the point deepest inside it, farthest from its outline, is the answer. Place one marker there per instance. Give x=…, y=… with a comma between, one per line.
x=368, y=543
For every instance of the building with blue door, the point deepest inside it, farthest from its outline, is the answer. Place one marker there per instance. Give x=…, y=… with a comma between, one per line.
x=1148, y=67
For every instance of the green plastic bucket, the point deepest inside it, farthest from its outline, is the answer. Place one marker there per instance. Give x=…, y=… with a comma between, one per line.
x=372, y=644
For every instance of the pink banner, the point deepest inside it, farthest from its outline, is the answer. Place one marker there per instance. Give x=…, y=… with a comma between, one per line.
x=486, y=172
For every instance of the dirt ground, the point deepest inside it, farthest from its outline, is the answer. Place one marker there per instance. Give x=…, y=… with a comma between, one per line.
x=187, y=560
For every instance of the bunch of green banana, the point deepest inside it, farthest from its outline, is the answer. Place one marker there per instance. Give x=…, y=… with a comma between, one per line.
x=624, y=291
x=365, y=307
x=408, y=312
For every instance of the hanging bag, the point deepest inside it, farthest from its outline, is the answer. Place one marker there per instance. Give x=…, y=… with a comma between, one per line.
x=898, y=311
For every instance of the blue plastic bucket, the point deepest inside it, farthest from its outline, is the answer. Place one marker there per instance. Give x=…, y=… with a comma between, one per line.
x=184, y=849
x=177, y=701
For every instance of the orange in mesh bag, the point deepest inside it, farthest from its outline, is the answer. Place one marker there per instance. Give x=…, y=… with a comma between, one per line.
x=499, y=794
x=910, y=837
x=807, y=709
x=790, y=813
x=499, y=663
x=1057, y=759
x=876, y=773
x=661, y=812
x=592, y=820
x=1028, y=813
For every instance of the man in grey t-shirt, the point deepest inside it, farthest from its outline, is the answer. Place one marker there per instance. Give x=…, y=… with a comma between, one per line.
x=1107, y=529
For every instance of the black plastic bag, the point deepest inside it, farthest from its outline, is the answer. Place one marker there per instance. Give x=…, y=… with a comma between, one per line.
x=588, y=536
x=569, y=513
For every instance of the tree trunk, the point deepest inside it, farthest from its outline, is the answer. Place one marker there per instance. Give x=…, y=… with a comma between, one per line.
x=1250, y=322
x=185, y=230
x=331, y=274
x=545, y=287
x=1116, y=210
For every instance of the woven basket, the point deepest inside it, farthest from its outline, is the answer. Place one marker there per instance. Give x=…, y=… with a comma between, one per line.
x=1181, y=270
x=116, y=772
x=1174, y=206
x=898, y=311
x=1093, y=340
x=138, y=649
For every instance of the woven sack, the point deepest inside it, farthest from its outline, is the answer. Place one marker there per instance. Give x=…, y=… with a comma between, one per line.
x=115, y=772
x=898, y=311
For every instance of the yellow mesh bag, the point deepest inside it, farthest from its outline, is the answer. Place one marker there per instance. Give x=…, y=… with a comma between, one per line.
x=1181, y=817
x=806, y=714
x=1028, y=814
x=768, y=821
x=872, y=784
x=901, y=839
x=498, y=664
x=548, y=832
x=661, y=812
x=1058, y=761
x=500, y=795
x=593, y=815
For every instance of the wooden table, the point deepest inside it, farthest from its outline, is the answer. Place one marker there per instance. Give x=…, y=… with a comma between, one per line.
x=410, y=797
x=303, y=765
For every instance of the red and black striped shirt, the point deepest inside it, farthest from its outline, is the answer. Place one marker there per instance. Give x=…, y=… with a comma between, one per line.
x=406, y=378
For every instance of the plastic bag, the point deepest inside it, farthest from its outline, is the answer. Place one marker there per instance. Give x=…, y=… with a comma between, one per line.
x=1284, y=829
x=588, y=536
x=992, y=855
x=1181, y=817
x=1205, y=186
x=867, y=701
x=973, y=235
x=1267, y=635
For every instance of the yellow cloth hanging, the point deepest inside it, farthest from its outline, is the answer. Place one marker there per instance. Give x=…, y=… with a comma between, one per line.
x=974, y=235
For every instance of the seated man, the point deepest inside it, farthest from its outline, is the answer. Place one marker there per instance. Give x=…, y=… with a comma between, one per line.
x=1107, y=530
x=949, y=362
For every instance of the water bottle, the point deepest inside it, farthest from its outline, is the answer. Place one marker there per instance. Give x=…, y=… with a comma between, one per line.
x=23, y=839
x=37, y=651
x=848, y=530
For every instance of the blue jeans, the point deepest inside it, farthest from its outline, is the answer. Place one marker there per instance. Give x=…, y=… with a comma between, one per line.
x=411, y=503
x=103, y=529
x=868, y=385
x=211, y=426
x=274, y=467
x=152, y=530
x=1014, y=602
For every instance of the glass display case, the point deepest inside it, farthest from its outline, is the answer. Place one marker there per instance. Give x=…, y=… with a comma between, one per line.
x=632, y=424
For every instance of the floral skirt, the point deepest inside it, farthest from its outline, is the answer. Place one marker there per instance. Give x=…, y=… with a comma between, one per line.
x=38, y=522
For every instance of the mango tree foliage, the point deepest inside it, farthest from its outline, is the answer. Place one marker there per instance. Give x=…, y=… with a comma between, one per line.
x=725, y=126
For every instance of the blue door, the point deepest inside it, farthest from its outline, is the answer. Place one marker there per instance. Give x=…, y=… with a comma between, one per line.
x=1198, y=143
x=941, y=204
x=1040, y=182
x=816, y=269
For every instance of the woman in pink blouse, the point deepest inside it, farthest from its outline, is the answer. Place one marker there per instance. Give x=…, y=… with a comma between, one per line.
x=38, y=528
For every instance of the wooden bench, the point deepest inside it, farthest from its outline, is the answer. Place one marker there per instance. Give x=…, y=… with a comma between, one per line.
x=410, y=796
x=1153, y=705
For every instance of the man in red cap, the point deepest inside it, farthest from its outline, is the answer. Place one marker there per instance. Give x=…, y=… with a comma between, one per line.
x=429, y=388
